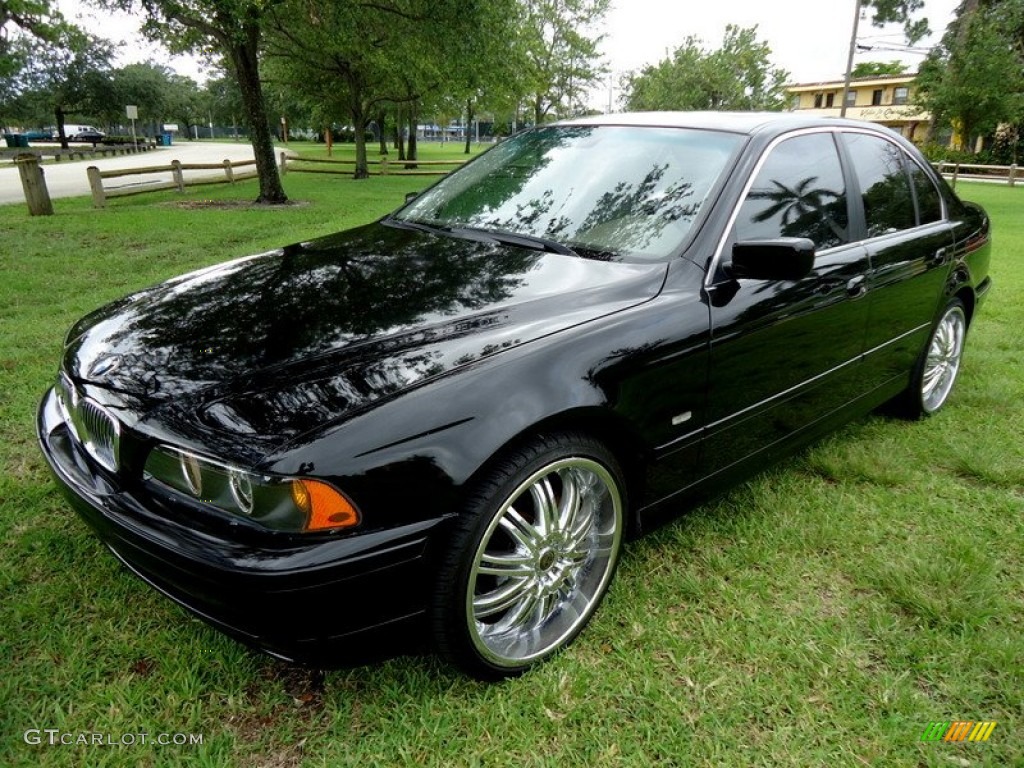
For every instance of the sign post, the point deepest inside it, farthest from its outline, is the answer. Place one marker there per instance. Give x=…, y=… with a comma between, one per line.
x=133, y=114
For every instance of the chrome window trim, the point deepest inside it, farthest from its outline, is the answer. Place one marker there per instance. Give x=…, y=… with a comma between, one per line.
x=731, y=222
x=834, y=130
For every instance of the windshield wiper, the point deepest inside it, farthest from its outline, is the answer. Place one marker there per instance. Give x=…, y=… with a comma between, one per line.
x=483, y=234
x=515, y=238
x=422, y=226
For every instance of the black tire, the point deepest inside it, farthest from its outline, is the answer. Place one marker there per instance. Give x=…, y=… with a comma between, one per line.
x=937, y=366
x=530, y=557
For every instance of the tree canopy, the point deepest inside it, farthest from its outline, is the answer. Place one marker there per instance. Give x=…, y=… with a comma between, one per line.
x=739, y=75
x=878, y=68
x=974, y=80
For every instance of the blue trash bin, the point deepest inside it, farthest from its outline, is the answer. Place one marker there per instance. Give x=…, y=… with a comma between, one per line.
x=166, y=140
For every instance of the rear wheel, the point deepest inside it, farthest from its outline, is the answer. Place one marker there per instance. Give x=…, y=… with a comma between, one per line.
x=939, y=364
x=531, y=557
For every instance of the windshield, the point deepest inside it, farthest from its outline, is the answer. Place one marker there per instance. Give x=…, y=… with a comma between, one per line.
x=608, y=191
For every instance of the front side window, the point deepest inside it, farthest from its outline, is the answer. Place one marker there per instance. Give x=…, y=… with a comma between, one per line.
x=798, y=192
x=884, y=183
x=607, y=191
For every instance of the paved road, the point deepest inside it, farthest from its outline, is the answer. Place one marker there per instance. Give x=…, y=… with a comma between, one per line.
x=68, y=179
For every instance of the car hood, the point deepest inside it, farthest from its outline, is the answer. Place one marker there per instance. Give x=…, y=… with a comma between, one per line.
x=276, y=344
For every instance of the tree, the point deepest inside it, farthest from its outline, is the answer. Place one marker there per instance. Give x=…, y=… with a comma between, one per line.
x=878, y=68
x=234, y=29
x=739, y=76
x=359, y=59
x=900, y=12
x=69, y=74
x=19, y=18
x=561, y=56
x=974, y=80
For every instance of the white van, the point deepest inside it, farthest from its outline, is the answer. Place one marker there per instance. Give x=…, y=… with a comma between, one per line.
x=77, y=132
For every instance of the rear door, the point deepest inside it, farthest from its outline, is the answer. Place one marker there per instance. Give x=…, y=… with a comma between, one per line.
x=909, y=241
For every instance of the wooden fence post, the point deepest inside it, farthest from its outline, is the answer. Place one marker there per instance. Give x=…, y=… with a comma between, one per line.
x=956, y=172
x=1012, y=177
x=179, y=178
x=99, y=197
x=229, y=171
x=384, y=165
x=34, y=185
x=284, y=163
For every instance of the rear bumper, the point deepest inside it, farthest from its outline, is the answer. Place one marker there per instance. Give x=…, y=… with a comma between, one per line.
x=321, y=601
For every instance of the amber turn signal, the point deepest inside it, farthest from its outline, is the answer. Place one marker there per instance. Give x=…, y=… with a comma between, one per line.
x=324, y=506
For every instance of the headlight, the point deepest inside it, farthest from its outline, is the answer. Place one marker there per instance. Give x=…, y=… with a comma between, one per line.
x=282, y=503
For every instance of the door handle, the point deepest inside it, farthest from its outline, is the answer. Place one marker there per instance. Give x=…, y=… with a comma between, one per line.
x=857, y=286
x=939, y=257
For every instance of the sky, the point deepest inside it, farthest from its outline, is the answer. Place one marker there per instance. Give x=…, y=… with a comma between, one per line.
x=809, y=38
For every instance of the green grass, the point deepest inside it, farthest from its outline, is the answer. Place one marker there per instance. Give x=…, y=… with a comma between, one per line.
x=822, y=614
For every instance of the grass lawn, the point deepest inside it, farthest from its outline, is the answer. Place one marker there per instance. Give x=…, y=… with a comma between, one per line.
x=823, y=614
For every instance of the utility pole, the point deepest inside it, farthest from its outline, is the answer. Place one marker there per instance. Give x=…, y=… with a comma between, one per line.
x=849, y=59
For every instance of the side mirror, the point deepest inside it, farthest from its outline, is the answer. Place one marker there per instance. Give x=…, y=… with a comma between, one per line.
x=410, y=196
x=782, y=258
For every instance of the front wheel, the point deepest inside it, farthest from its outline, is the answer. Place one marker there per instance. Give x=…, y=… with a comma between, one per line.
x=937, y=368
x=531, y=557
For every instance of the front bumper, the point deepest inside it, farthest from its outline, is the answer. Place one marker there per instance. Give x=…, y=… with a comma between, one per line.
x=311, y=599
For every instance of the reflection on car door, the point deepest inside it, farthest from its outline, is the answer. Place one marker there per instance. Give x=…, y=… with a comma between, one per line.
x=784, y=354
x=909, y=241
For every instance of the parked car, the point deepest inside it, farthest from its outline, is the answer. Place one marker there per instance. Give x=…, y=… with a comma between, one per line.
x=41, y=134
x=444, y=424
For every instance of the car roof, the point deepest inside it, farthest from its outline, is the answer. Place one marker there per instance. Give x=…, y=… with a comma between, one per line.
x=735, y=122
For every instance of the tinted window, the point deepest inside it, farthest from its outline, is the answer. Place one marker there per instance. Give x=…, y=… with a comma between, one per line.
x=929, y=204
x=884, y=184
x=799, y=192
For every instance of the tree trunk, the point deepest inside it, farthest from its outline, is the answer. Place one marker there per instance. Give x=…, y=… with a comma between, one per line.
x=243, y=55
x=411, y=153
x=400, y=133
x=58, y=113
x=382, y=134
x=469, y=123
x=362, y=166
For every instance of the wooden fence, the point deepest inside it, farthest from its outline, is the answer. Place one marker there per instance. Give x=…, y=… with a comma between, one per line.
x=79, y=153
x=381, y=167
x=977, y=172
x=178, y=181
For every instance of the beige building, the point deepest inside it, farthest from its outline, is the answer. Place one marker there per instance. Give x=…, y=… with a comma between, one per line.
x=884, y=99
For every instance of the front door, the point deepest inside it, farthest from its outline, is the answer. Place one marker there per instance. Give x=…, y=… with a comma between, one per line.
x=786, y=353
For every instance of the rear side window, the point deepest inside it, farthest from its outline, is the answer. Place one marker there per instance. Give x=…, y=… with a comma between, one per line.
x=884, y=183
x=929, y=204
x=799, y=192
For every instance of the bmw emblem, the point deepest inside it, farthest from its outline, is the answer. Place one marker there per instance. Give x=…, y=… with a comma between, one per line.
x=103, y=365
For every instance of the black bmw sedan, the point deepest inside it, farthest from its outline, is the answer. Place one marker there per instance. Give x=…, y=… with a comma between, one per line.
x=443, y=426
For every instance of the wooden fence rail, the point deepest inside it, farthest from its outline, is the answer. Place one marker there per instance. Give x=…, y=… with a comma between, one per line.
x=977, y=171
x=385, y=167
x=81, y=153
x=177, y=169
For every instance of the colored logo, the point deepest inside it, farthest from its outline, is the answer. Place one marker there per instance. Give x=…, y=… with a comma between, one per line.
x=959, y=730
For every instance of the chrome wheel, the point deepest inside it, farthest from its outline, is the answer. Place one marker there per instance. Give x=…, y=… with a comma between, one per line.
x=942, y=360
x=543, y=562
